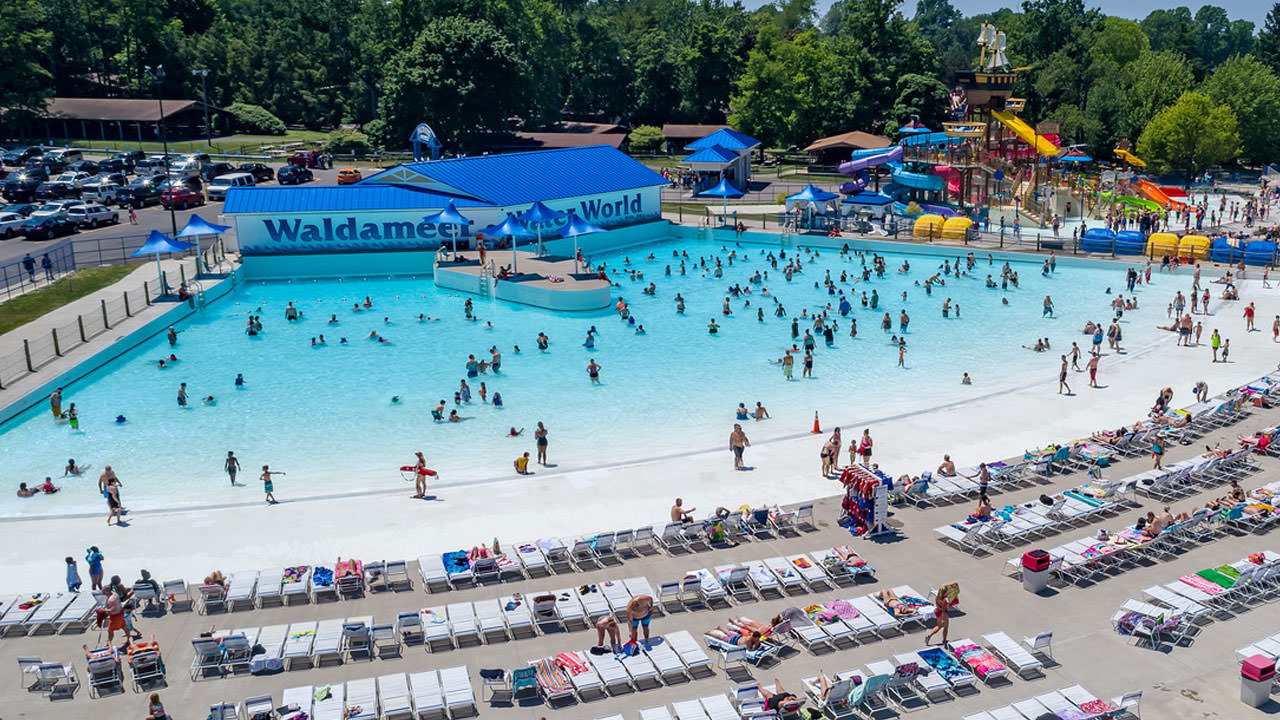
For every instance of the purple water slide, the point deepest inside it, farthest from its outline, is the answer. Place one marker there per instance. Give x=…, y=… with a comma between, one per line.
x=861, y=162
x=859, y=183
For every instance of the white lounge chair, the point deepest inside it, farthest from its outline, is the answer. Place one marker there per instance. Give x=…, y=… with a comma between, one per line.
x=78, y=615
x=488, y=614
x=690, y=653
x=297, y=584
x=296, y=701
x=455, y=682
x=462, y=621
x=530, y=556
x=298, y=643
x=331, y=707
x=394, y=697
x=435, y=626
x=49, y=611
x=428, y=700
x=328, y=642
x=240, y=587
x=270, y=587
x=271, y=640
x=1013, y=654
x=362, y=700
x=434, y=577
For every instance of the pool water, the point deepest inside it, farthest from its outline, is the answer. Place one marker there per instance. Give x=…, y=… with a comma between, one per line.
x=324, y=414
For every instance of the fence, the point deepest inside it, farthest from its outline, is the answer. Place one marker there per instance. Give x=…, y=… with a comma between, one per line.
x=74, y=253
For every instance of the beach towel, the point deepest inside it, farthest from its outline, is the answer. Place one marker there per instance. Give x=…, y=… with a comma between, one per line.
x=949, y=595
x=295, y=573
x=1201, y=584
x=978, y=659
x=572, y=663
x=1098, y=707
x=1218, y=578
x=322, y=576
x=455, y=562
x=946, y=666
x=551, y=678
x=841, y=609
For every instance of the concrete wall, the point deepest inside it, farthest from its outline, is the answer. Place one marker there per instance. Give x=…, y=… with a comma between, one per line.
x=565, y=300
x=264, y=267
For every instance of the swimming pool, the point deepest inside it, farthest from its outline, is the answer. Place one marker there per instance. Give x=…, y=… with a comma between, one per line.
x=324, y=414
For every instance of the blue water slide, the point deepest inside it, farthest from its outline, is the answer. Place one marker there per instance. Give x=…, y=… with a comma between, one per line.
x=916, y=180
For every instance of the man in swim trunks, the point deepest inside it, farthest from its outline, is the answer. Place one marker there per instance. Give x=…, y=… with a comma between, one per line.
x=232, y=466
x=639, y=613
x=1062, y=377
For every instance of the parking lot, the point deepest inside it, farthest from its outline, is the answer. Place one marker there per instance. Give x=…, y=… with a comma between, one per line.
x=151, y=217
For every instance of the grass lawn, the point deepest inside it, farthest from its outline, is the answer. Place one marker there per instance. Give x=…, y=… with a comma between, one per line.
x=227, y=144
x=25, y=308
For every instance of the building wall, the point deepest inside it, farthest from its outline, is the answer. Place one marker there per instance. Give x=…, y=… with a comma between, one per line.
x=308, y=233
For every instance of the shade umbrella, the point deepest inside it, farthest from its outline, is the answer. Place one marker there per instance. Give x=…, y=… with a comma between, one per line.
x=197, y=226
x=575, y=227
x=724, y=191
x=449, y=216
x=1075, y=158
x=157, y=242
x=539, y=215
x=509, y=227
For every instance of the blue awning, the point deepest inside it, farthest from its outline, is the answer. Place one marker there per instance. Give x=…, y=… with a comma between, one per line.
x=197, y=225
x=723, y=190
x=578, y=226
x=511, y=227
x=540, y=214
x=157, y=242
x=812, y=194
x=447, y=216
x=714, y=154
x=868, y=198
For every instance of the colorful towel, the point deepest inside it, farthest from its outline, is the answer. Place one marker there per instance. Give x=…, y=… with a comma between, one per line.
x=1218, y=578
x=455, y=562
x=322, y=576
x=551, y=678
x=1201, y=584
x=572, y=663
x=946, y=665
x=1098, y=707
x=295, y=573
x=841, y=608
x=978, y=659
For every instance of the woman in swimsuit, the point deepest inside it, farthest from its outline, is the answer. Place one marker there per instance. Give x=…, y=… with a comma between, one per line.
x=891, y=600
x=749, y=640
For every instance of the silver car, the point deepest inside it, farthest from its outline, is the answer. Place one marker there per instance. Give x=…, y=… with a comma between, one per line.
x=92, y=215
x=57, y=208
x=73, y=178
x=10, y=224
x=105, y=193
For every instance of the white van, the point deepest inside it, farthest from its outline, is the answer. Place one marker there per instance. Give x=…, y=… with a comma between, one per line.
x=219, y=186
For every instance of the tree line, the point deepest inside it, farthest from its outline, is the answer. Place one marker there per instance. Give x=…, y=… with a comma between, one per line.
x=782, y=73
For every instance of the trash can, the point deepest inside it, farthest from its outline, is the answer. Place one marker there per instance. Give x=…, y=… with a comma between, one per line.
x=1256, y=676
x=1035, y=571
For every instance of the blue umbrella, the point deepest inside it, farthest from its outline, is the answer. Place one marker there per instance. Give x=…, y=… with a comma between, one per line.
x=577, y=226
x=197, y=226
x=540, y=215
x=509, y=227
x=157, y=242
x=724, y=191
x=449, y=216
x=1075, y=158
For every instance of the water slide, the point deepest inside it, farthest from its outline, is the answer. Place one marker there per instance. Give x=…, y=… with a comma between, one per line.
x=1130, y=158
x=861, y=161
x=1025, y=133
x=916, y=180
x=951, y=176
x=1152, y=192
x=1140, y=203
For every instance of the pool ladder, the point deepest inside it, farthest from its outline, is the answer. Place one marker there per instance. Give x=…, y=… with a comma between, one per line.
x=486, y=280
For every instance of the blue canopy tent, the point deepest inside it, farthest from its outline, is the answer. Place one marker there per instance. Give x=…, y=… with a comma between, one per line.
x=197, y=226
x=513, y=228
x=539, y=215
x=157, y=242
x=812, y=196
x=449, y=216
x=724, y=191
x=577, y=226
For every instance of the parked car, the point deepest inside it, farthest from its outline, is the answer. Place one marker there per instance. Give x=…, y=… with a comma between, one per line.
x=181, y=197
x=212, y=170
x=92, y=215
x=56, y=189
x=44, y=228
x=184, y=168
x=151, y=165
x=122, y=161
x=293, y=175
x=23, y=209
x=66, y=156
x=307, y=158
x=51, y=165
x=143, y=191
x=104, y=193
x=113, y=178
x=57, y=208
x=85, y=166
x=11, y=224
x=174, y=181
x=261, y=172
x=76, y=178
x=346, y=176
x=219, y=186
x=21, y=186
x=18, y=157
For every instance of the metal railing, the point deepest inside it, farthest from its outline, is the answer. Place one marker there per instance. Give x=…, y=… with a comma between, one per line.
x=74, y=253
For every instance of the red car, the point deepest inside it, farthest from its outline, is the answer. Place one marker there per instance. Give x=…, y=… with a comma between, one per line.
x=181, y=198
x=307, y=158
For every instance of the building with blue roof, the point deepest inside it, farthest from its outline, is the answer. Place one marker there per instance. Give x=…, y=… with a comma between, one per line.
x=725, y=154
x=391, y=210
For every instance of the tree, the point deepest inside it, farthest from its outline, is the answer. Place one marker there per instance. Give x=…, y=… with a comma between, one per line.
x=255, y=119
x=920, y=95
x=1153, y=81
x=464, y=72
x=1218, y=38
x=646, y=138
x=1118, y=42
x=24, y=83
x=1192, y=134
x=1171, y=30
x=1252, y=91
x=1267, y=46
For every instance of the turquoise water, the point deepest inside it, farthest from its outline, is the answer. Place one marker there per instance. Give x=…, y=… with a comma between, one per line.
x=324, y=414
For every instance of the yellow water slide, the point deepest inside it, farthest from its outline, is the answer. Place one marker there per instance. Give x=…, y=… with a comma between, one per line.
x=1130, y=158
x=1025, y=132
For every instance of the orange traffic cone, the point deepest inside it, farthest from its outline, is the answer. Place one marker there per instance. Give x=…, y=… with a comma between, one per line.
x=816, y=427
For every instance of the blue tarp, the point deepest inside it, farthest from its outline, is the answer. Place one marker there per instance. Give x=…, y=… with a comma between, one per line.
x=1131, y=242
x=1259, y=252
x=1097, y=240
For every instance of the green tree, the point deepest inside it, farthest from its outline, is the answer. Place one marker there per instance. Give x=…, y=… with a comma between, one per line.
x=24, y=82
x=646, y=139
x=1153, y=81
x=1192, y=134
x=255, y=119
x=1218, y=38
x=1252, y=91
x=1171, y=30
x=920, y=95
x=463, y=72
x=1267, y=46
x=1118, y=42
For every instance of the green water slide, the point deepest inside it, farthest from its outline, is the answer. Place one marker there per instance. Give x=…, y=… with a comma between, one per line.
x=1140, y=203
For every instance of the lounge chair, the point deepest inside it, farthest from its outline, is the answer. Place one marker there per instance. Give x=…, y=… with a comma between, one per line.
x=208, y=657
x=689, y=710
x=49, y=611
x=296, y=583
x=552, y=680
x=1013, y=654
x=258, y=707
x=332, y=705
x=104, y=674
x=786, y=574
x=616, y=596
x=211, y=597
x=409, y=628
x=488, y=614
x=328, y=641
x=688, y=650
x=531, y=557
x=665, y=660
x=611, y=672
x=79, y=614
x=435, y=625
x=269, y=649
x=434, y=577
x=58, y=679
x=586, y=681
x=237, y=650
x=583, y=555
x=976, y=658
x=462, y=622
x=384, y=639
x=518, y=615
x=240, y=587
x=394, y=697
x=455, y=682
x=270, y=587
x=298, y=643
x=295, y=702
x=362, y=700
x=428, y=700
x=357, y=637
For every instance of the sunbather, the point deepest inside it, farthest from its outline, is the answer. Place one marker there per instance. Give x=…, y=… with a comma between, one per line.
x=741, y=624
x=216, y=578
x=947, y=468
x=891, y=600
x=749, y=640
x=850, y=557
x=477, y=552
x=984, y=511
x=779, y=700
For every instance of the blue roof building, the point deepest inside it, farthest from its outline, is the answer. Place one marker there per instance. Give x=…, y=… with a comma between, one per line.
x=723, y=155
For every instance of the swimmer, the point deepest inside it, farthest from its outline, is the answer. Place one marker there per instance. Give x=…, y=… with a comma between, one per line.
x=120, y=419
x=713, y=327
x=640, y=330
x=333, y=319
x=395, y=399
x=455, y=417
x=161, y=364
x=72, y=468
x=543, y=341
x=209, y=400
x=965, y=380
x=342, y=341
x=239, y=380
x=515, y=433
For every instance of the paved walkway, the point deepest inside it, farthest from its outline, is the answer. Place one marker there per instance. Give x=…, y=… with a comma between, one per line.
x=1195, y=680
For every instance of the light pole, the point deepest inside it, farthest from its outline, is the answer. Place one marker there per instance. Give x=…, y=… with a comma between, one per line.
x=157, y=74
x=204, y=94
